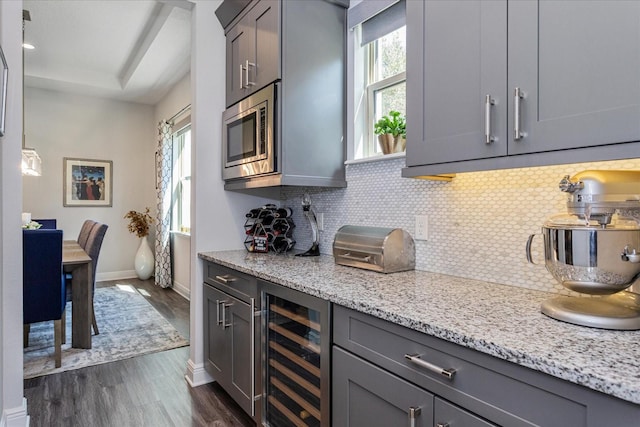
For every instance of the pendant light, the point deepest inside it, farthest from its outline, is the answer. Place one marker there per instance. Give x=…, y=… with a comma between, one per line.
x=31, y=162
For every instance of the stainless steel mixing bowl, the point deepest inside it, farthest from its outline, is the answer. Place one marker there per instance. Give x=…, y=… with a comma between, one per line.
x=591, y=259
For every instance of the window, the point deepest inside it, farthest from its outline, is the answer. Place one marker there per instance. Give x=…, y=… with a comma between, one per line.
x=379, y=69
x=181, y=180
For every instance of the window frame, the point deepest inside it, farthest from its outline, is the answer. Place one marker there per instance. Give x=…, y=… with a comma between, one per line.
x=178, y=193
x=370, y=147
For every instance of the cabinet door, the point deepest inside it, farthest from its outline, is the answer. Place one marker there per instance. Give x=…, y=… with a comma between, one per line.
x=264, y=20
x=446, y=414
x=238, y=51
x=253, y=51
x=456, y=50
x=230, y=345
x=367, y=396
x=578, y=64
x=215, y=345
x=238, y=323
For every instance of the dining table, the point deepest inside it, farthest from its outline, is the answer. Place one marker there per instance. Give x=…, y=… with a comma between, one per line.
x=76, y=261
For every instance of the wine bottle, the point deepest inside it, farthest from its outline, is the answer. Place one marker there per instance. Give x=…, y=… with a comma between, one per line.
x=283, y=213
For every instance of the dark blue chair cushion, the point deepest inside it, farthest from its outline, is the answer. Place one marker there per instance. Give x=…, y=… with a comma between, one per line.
x=47, y=224
x=44, y=292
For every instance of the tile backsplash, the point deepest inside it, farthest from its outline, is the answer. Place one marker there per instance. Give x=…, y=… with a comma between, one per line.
x=478, y=223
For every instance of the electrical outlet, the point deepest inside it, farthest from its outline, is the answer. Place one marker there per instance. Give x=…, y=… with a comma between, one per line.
x=320, y=221
x=422, y=227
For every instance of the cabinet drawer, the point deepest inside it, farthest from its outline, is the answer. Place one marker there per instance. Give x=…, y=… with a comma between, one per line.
x=367, y=396
x=450, y=415
x=239, y=285
x=485, y=385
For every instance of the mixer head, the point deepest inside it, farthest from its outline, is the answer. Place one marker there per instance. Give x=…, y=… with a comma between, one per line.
x=598, y=194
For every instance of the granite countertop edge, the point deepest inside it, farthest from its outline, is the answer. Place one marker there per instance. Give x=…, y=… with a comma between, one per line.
x=577, y=354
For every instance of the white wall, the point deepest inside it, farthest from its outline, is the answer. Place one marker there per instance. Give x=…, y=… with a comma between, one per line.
x=12, y=403
x=62, y=125
x=217, y=215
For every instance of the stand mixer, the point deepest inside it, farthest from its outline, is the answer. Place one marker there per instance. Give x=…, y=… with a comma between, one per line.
x=594, y=249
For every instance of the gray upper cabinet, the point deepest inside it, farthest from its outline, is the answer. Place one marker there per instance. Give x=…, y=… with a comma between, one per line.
x=457, y=54
x=253, y=51
x=576, y=65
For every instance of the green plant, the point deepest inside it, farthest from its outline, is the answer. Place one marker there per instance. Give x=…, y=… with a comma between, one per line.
x=393, y=123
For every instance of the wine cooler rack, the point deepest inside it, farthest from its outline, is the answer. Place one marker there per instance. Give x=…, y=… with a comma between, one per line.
x=296, y=339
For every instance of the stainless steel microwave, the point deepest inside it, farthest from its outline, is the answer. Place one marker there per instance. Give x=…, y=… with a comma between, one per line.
x=248, y=136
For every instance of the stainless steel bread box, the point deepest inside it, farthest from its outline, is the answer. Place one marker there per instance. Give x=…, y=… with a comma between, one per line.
x=386, y=250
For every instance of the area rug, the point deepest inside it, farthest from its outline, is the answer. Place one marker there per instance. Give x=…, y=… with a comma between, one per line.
x=129, y=326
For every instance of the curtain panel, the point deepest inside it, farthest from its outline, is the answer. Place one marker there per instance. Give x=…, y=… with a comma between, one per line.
x=163, y=274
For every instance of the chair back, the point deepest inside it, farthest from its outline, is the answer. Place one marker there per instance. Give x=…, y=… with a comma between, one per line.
x=47, y=224
x=92, y=248
x=43, y=285
x=87, y=226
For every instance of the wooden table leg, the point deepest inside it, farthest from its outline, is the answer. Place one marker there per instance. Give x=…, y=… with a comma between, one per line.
x=81, y=306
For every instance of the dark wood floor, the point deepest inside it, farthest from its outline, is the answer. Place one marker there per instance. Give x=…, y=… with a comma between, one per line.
x=148, y=390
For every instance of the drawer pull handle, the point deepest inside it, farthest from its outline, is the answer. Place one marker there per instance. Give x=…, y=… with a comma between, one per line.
x=415, y=358
x=226, y=278
x=413, y=415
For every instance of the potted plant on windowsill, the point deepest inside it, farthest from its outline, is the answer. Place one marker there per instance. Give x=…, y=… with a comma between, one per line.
x=392, y=132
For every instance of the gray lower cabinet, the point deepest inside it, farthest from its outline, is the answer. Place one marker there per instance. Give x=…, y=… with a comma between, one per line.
x=231, y=335
x=501, y=83
x=367, y=396
x=388, y=369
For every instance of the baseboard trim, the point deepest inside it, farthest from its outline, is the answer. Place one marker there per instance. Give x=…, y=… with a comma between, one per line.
x=196, y=374
x=116, y=275
x=15, y=417
x=182, y=290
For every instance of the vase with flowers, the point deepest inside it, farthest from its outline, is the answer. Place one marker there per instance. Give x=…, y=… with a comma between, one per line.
x=139, y=223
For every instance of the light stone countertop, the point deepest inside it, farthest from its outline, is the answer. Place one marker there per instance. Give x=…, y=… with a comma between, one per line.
x=503, y=321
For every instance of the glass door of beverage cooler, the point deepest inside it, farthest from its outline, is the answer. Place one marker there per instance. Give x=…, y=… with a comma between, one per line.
x=296, y=358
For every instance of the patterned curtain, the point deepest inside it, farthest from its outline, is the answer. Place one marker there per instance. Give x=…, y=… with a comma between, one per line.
x=163, y=276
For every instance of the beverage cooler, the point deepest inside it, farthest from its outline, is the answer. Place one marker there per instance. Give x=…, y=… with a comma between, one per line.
x=296, y=357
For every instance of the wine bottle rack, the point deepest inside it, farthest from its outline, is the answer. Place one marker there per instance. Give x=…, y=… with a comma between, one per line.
x=293, y=378
x=269, y=228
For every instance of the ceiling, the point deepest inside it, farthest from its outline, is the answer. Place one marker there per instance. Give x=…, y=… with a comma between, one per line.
x=128, y=50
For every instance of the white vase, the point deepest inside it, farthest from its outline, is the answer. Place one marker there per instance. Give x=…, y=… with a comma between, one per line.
x=144, y=261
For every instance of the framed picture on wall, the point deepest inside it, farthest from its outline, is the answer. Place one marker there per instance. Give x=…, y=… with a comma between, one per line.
x=87, y=182
x=3, y=91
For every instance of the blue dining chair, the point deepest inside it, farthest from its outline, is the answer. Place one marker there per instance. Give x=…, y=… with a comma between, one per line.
x=43, y=284
x=47, y=224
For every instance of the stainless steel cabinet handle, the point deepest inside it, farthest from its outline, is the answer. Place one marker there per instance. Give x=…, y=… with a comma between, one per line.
x=253, y=357
x=241, y=76
x=517, y=96
x=218, y=321
x=227, y=278
x=248, y=64
x=415, y=358
x=413, y=415
x=488, y=102
x=224, y=314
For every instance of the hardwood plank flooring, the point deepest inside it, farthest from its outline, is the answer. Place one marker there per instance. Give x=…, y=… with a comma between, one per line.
x=149, y=390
